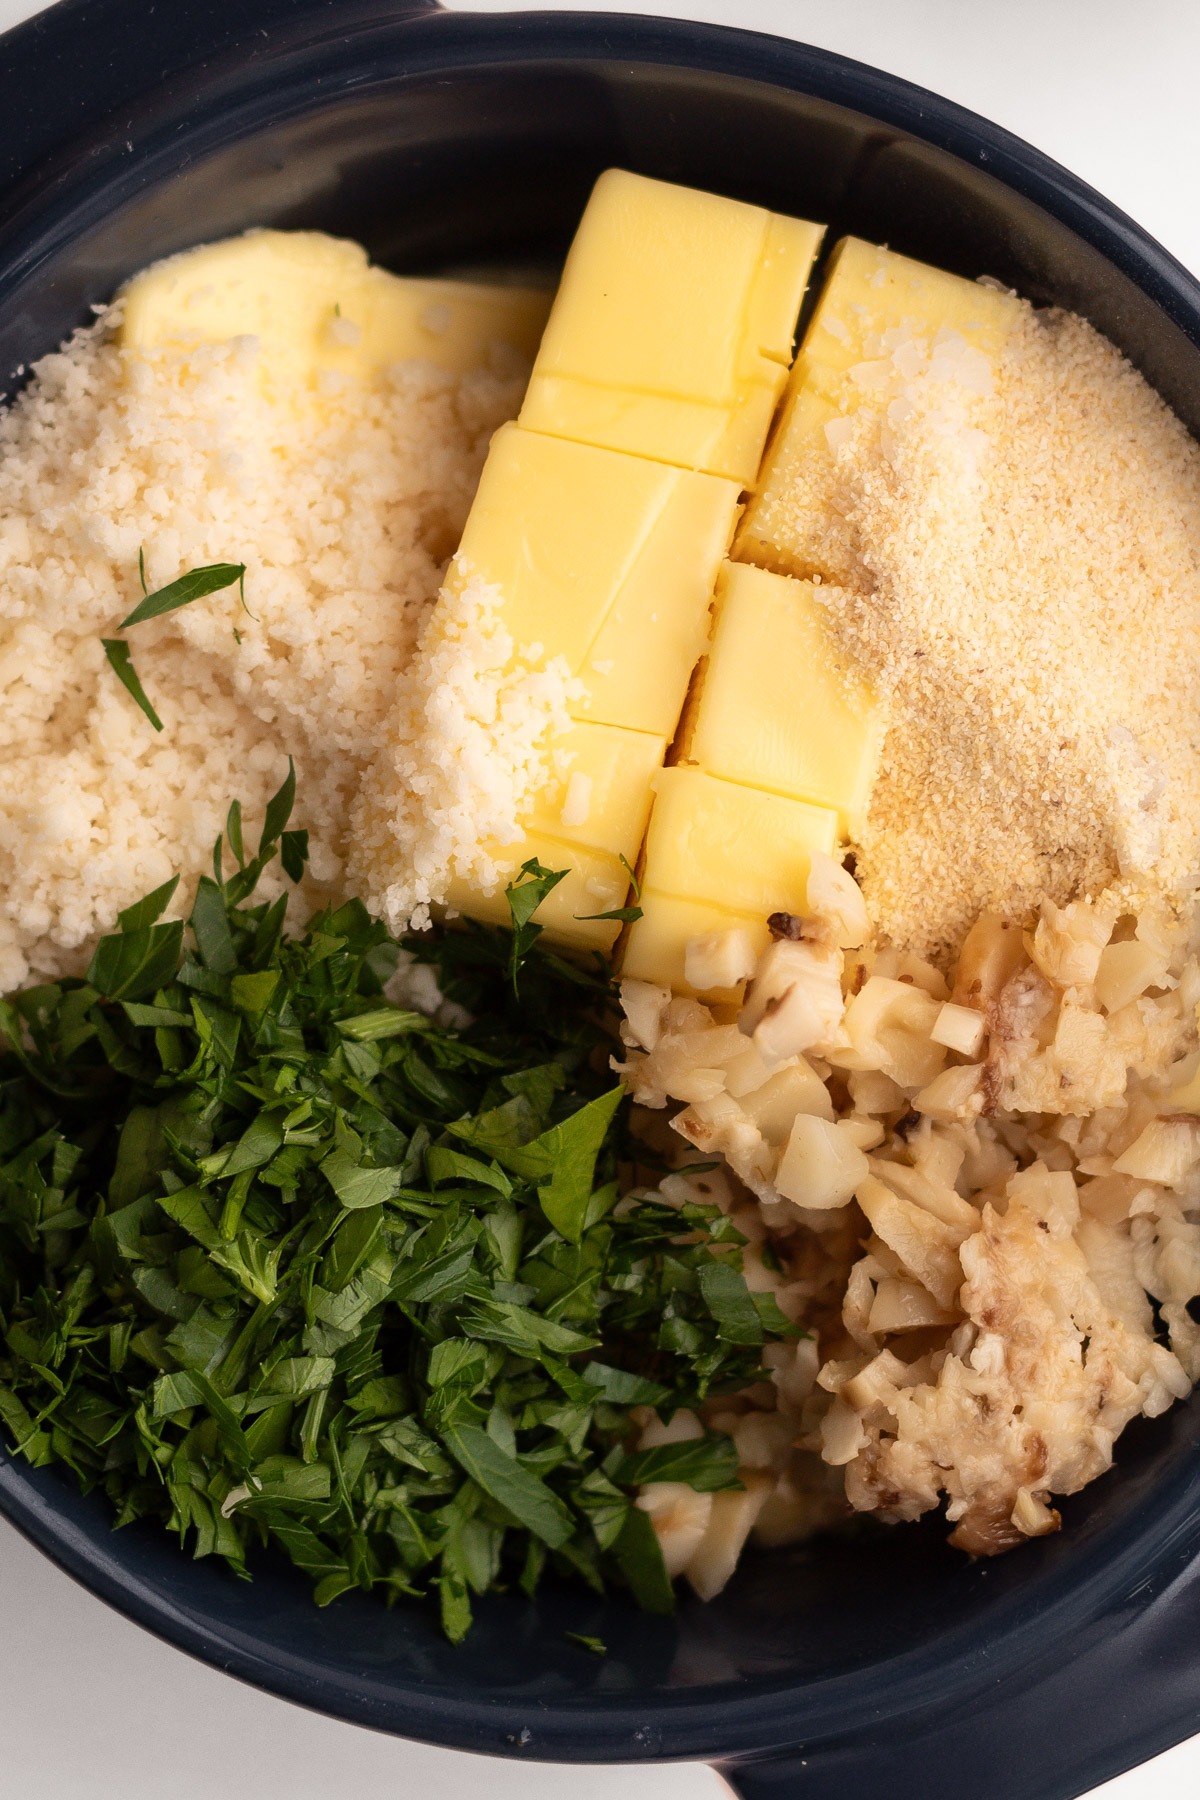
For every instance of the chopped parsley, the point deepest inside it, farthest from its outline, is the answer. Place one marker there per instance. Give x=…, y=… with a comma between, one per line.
x=192, y=585
x=121, y=663
x=285, y=1263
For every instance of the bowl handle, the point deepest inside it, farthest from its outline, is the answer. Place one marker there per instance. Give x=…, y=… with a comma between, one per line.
x=1053, y=1728
x=67, y=70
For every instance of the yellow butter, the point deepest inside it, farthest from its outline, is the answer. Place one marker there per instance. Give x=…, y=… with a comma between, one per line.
x=776, y=707
x=879, y=317
x=672, y=329
x=317, y=306
x=870, y=292
x=641, y=660
x=606, y=560
x=789, y=524
x=595, y=882
x=590, y=815
x=732, y=846
x=600, y=794
x=656, y=947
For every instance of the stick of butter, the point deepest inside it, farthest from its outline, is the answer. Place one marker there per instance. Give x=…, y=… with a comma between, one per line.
x=880, y=318
x=606, y=560
x=717, y=850
x=316, y=305
x=602, y=519
x=671, y=333
x=774, y=707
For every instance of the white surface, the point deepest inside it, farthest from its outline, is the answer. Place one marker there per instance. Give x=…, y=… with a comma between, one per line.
x=91, y=1707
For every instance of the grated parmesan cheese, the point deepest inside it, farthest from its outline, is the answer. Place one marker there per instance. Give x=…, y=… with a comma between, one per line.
x=468, y=742
x=343, y=511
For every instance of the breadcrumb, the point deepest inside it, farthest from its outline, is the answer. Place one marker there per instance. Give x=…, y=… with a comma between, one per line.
x=1017, y=571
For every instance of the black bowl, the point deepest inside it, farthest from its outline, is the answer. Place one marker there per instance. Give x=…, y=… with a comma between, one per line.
x=436, y=139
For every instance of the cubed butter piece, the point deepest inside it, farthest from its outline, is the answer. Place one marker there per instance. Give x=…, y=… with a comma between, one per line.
x=317, y=305
x=777, y=708
x=595, y=882
x=875, y=301
x=656, y=948
x=590, y=815
x=606, y=560
x=732, y=846
x=671, y=333
x=881, y=320
x=600, y=794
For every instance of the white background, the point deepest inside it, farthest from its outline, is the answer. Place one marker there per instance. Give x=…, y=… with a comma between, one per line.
x=91, y=1708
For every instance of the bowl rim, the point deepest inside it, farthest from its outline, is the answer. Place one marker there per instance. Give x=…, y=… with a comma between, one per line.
x=50, y=199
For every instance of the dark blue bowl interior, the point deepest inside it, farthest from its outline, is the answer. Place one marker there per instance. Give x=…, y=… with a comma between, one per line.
x=451, y=142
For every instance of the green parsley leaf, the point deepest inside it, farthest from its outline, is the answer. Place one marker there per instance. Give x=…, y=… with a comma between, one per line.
x=510, y=1483
x=571, y=1150
x=121, y=663
x=181, y=592
x=524, y=896
x=210, y=928
x=621, y=1388
x=135, y=962
x=708, y=1464
x=279, y=811
x=293, y=853
x=357, y=1187
x=233, y=831
x=380, y=1023
x=730, y=1302
x=639, y=1557
x=562, y=1159
x=149, y=910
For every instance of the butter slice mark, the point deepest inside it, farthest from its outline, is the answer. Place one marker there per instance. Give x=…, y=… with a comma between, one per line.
x=722, y=439
x=618, y=766
x=606, y=559
x=640, y=662
x=773, y=304
x=673, y=325
x=730, y=845
x=776, y=708
x=561, y=529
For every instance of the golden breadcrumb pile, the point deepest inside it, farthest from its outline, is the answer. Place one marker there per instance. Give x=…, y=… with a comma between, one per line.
x=1020, y=576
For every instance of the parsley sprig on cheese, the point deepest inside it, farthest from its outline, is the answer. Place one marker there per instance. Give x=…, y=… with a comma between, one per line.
x=283, y=1262
x=194, y=584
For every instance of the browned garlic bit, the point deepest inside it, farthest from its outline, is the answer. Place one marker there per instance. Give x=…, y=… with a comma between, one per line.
x=973, y=1192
